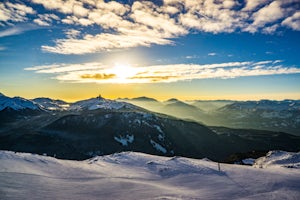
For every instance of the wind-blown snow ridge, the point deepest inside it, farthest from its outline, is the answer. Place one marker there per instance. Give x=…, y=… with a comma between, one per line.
x=279, y=159
x=131, y=175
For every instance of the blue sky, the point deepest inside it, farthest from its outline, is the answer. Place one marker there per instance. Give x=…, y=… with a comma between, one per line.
x=187, y=49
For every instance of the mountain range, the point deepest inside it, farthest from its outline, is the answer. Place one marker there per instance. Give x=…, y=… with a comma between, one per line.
x=99, y=126
x=263, y=115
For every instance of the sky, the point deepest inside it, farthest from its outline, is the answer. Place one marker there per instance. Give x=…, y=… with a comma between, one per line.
x=186, y=49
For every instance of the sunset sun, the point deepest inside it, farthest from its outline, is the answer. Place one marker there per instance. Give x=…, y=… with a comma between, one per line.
x=124, y=72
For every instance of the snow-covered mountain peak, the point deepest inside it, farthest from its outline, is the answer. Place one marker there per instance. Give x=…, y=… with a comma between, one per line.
x=51, y=104
x=16, y=103
x=99, y=103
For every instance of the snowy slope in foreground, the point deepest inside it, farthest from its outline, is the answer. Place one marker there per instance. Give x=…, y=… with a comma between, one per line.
x=140, y=176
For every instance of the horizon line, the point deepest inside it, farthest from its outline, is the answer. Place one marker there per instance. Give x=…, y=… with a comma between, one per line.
x=157, y=99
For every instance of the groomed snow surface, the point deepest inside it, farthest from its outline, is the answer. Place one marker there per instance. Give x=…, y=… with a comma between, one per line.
x=132, y=175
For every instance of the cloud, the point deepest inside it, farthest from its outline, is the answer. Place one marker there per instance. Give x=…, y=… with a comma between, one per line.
x=45, y=19
x=154, y=79
x=270, y=29
x=99, y=73
x=63, y=68
x=264, y=16
x=72, y=33
x=191, y=57
x=119, y=25
x=253, y=4
x=103, y=42
x=14, y=12
x=212, y=54
x=41, y=22
x=16, y=30
x=146, y=27
x=98, y=76
x=293, y=21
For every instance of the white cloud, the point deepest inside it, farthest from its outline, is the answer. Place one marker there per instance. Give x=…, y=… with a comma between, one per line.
x=41, y=22
x=5, y=14
x=266, y=15
x=113, y=6
x=60, y=5
x=293, y=21
x=270, y=29
x=210, y=16
x=99, y=73
x=191, y=57
x=72, y=33
x=148, y=15
x=212, y=54
x=11, y=31
x=14, y=12
x=84, y=22
x=16, y=30
x=253, y=4
x=80, y=11
x=62, y=68
x=45, y=19
x=144, y=23
x=229, y=3
x=103, y=42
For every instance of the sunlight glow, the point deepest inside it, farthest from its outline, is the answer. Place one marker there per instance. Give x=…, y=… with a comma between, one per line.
x=123, y=72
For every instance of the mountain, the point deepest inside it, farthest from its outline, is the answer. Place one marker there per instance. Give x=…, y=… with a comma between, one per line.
x=172, y=100
x=99, y=126
x=210, y=105
x=99, y=103
x=182, y=110
x=146, y=103
x=15, y=108
x=265, y=114
x=132, y=175
x=147, y=99
x=100, y=132
x=50, y=104
x=264, y=105
x=172, y=107
x=16, y=103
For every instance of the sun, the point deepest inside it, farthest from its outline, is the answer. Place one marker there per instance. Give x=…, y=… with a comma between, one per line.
x=124, y=72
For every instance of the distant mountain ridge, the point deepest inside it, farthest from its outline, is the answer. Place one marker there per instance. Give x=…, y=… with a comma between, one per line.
x=99, y=126
x=264, y=114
